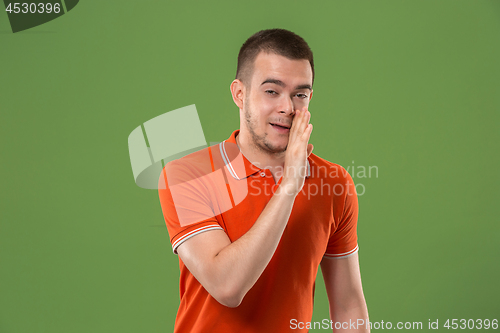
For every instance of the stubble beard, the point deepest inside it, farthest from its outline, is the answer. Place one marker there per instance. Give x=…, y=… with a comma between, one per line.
x=259, y=142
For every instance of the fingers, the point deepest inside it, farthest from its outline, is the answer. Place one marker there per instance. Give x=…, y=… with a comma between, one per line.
x=305, y=128
x=294, y=130
x=300, y=125
x=298, y=150
x=307, y=132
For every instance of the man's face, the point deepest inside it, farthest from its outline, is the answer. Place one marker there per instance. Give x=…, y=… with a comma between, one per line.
x=278, y=86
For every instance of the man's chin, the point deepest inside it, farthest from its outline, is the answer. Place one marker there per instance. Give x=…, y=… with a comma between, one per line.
x=276, y=149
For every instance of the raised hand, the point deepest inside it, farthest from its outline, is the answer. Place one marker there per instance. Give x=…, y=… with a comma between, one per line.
x=297, y=151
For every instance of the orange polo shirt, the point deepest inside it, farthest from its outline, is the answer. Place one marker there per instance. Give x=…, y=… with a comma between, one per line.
x=217, y=188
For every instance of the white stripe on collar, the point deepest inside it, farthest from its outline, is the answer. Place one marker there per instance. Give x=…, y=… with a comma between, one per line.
x=222, y=149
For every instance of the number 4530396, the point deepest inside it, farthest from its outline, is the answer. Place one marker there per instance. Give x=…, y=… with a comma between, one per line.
x=471, y=324
x=33, y=8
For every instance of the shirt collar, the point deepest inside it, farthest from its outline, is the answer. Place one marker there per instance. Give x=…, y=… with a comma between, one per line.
x=237, y=164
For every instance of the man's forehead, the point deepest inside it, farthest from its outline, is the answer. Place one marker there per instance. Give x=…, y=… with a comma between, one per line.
x=277, y=69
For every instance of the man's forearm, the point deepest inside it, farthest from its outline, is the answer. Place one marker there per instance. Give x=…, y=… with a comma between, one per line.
x=239, y=265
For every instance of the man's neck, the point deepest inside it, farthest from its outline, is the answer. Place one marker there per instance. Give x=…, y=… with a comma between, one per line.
x=261, y=158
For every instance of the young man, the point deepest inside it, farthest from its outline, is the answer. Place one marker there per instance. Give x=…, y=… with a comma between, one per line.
x=253, y=217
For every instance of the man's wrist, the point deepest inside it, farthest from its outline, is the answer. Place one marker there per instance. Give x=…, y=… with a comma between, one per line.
x=288, y=188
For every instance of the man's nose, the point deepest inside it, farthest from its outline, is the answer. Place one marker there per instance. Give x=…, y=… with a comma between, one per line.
x=287, y=106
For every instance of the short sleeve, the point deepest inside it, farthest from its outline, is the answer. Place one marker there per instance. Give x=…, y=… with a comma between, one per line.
x=187, y=195
x=343, y=237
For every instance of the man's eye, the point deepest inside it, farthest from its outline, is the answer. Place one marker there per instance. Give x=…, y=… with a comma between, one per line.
x=271, y=92
x=301, y=96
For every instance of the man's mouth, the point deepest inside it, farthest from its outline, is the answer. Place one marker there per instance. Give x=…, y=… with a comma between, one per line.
x=281, y=128
x=281, y=125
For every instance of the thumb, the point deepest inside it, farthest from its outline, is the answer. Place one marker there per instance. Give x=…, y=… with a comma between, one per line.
x=310, y=148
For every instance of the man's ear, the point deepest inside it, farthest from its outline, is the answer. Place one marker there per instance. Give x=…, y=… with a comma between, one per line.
x=310, y=95
x=238, y=92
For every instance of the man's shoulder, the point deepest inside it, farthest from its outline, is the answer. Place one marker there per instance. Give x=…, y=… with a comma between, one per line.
x=196, y=163
x=322, y=168
x=193, y=157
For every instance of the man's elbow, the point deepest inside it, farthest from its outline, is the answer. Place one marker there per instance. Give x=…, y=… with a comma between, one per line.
x=230, y=302
x=227, y=289
x=228, y=297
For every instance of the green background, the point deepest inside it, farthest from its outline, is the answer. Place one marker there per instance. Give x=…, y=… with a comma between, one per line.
x=411, y=87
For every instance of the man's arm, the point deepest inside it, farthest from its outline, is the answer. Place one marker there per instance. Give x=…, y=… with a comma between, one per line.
x=228, y=270
x=345, y=293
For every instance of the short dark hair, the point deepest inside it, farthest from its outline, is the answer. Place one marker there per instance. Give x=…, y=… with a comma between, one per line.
x=277, y=41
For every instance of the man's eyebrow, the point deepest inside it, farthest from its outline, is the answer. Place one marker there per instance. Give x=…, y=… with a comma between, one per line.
x=304, y=86
x=278, y=82
x=282, y=84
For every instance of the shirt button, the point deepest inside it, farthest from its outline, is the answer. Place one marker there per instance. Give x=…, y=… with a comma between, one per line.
x=262, y=174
